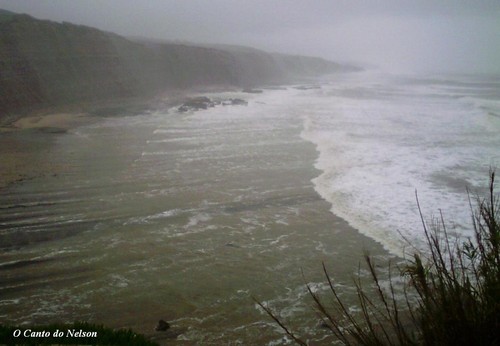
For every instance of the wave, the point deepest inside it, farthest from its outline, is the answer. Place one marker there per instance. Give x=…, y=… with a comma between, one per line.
x=376, y=152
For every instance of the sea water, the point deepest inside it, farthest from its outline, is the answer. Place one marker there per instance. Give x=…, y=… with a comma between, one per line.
x=189, y=216
x=387, y=142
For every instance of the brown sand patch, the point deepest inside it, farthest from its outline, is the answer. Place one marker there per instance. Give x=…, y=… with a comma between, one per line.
x=56, y=120
x=25, y=143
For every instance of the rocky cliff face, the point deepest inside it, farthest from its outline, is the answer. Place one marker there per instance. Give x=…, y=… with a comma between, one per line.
x=46, y=64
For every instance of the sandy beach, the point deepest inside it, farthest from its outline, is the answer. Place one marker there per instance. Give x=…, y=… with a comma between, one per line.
x=61, y=121
x=23, y=142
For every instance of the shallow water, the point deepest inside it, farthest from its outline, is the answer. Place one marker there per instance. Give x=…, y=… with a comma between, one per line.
x=183, y=217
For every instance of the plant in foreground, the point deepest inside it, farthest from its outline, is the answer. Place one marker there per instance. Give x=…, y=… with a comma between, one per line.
x=451, y=294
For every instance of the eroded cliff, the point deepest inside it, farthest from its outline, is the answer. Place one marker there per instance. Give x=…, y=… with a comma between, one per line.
x=48, y=64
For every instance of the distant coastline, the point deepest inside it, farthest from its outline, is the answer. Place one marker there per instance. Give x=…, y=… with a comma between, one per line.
x=54, y=66
x=58, y=76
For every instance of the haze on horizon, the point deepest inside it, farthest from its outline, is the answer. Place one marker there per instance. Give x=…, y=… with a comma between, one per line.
x=395, y=35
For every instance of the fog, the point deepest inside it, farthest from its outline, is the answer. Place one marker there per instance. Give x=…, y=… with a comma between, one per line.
x=403, y=36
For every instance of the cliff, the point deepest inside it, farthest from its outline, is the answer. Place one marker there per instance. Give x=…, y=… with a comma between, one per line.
x=49, y=64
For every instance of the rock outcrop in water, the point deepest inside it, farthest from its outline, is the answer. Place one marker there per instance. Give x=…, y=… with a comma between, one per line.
x=162, y=326
x=48, y=64
x=203, y=102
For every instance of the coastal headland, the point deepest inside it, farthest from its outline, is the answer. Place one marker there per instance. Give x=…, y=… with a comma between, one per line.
x=51, y=65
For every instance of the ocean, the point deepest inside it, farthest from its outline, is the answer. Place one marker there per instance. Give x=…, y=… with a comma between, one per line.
x=188, y=217
x=383, y=140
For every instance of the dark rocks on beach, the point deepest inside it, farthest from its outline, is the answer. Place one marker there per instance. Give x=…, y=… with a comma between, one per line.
x=238, y=102
x=203, y=102
x=162, y=326
x=183, y=109
x=196, y=103
x=324, y=325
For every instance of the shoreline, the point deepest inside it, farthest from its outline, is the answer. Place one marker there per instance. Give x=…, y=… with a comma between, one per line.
x=21, y=160
x=25, y=136
x=56, y=121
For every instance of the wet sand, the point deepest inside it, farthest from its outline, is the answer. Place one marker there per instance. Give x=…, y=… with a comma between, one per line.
x=61, y=121
x=24, y=142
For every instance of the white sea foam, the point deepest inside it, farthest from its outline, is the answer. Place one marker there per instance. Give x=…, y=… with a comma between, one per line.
x=381, y=139
x=196, y=219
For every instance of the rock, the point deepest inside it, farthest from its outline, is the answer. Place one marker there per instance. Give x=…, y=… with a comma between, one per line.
x=183, y=109
x=162, y=326
x=196, y=103
x=238, y=102
x=202, y=102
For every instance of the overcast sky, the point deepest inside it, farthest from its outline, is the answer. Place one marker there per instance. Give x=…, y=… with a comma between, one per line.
x=414, y=35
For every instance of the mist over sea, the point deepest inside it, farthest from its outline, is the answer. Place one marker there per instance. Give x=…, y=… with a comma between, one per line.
x=186, y=216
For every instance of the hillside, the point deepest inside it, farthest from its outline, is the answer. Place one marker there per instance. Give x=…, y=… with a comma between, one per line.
x=49, y=64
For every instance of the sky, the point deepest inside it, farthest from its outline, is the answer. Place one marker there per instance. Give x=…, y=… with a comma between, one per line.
x=395, y=35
